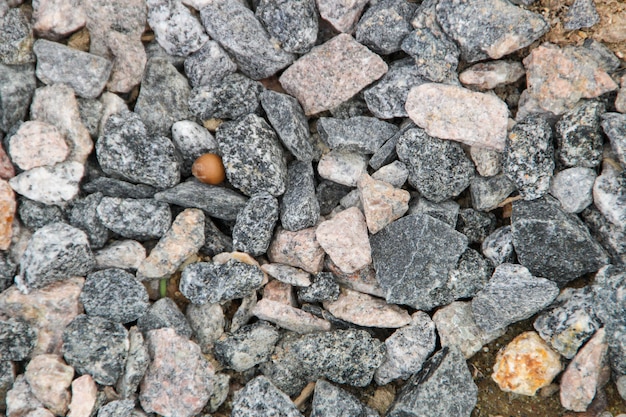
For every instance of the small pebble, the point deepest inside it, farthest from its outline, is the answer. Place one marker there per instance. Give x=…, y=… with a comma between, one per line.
x=84, y=215
x=579, y=136
x=161, y=314
x=436, y=56
x=84, y=394
x=122, y=254
x=56, y=184
x=136, y=364
x=489, y=192
x=17, y=340
x=112, y=187
x=17, y=87
x=139, y=219
x=207, y=323
x=446, y=211
x=581, y=14
x=356, y=134
x=395, y=173
x=475, y=225
x=49, y=379
x=298, y=249
x=299, y=207
x=498, y=246
x=37, y=144
x=253, y=229
x=233, y=96
x=247, y=347
x=324, y=288
x=293, y=24
x=208, y=64
x=613, y=126
x=341, y=14
x=488, y=161
x=489, y=75
x=16, y=38
x=7, y=209
x=288, y=317
x=365, y=310
x=117, y=408
x=287, y=274
x=382, y=203
x=573, y=187
x=342, y=167
x=54, y=19
x=609, y=194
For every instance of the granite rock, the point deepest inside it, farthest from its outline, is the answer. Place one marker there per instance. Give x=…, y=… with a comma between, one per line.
x=395, y=173
x=475, y=225
x=37, y=144
x=208, y=64
x=57, y=184
x=613, y=125
x=7, y=271
x=294, y=25
x=299, y=207
x=384, y=25
x=140, y=219
x=489, y=75
x=573, y=188
x=16, y=38
x=17, y=339
x=498, y=246
x=122, y=254
x=609, y=194
x=20, y=398
x=261, y=398
x=329, y=194
x=56, y=19
x=164, y=313
x=299, y=249
x=581, y=14
x=446, y=211
x=610, y=236
x=230, y=97
x=488, y=161
x=382, y=203
x=436, y=56
x=7, y=379
x=579, y=136
x=343, y=15
x=355, y=134
x=92, y=110
x=175, y=28
x=207, y=322
x=49, y=379
x=191, y=140
x=255, y=224
x=84, y=393
x=247, y=347
x=323, y=288
x=332, y=401
x=366, y=311
x=489, y=192
x=112, y=187
x=17, y=85
x=117, y=408
x=288, y=317
x=83, y=215
x=342, y=167
x=136, y=364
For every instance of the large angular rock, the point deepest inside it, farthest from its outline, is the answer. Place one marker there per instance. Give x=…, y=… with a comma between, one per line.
x=384, y=25
x=57, y=19
x=49, y=378
x=140, y=219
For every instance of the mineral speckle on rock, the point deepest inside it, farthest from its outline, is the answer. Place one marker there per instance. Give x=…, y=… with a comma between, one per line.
x=332, y=401
x=175, y=28
x=231, y=97
x=579, y=135
x=55, y=184
x=208, y=64
x=573, y=188
x=140, y=219
x=17, y=85
x=293, y=24
x=164, y=313
x=299, y=207
x=384, y=25
x=247, y=347
x=260, y=397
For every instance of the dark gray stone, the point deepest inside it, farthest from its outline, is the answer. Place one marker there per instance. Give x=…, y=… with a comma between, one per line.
x=255, y=224
x=611, y=236
x=569, y=322
x=614, y=126
x=16, y=38
x=386, y=98
x=299, y=207
x=191, y=141
x=262, y=399
x=581, y=14
x=163, y=97
x=384, y=25
x=412, y=256
x=7, y=270
x=208, y=64
x=17, y=340
x=528, y=159
x=323, y=288
x=247, y=347
x=138, y=219
x=137, y=362
x=355, y=134
x=219, y=202
x=84, y=216
x=489, y=192
x=288, y=120
x=164, y=313
x=469, y=276
x=498, y=246
x=250, y=45
x=496, y=27
x=233, y=96
x=252, y=155
x=115, y=295
x=292, y=23
x=7, y=378
x=332, y=401
x=207, y=322
x=475, y=225
x=177, y=31
x=579, y=136
x=352, y=107
x=86, y=73
x=436, y=55
x=552, y=243
x=207, y=282
x=214, y=240
x=96, y=346
x=36, y=215
x=600, y=53
x=90, y=114
x=446, y=211
x=112, y=187
x=329, y=194
x=444, y=387
x=616, y=339
x=55, y=252
x=17, y=86
x=127, y=152
x=511, y=295
x=117, y=408
x=438, y=169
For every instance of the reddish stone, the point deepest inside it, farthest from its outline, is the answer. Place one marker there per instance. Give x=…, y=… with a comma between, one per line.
x=300, y=249
x=7, y=214
x=279, y=292
x=7, y=170
x=365, y=310
x=49, y=379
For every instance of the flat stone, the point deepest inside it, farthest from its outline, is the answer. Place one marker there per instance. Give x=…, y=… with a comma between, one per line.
x=122, y=254
x=581, y=14
x=497, y=27
x=609, y=194
x=444, y=386
x=207, y=322
x=192, y=141
x=7, y=214
x=84, y=394
x=343, y=15
x=49, y=379
x=571, y=253
x=489, y=192
x=613, y=126
x=489, y=75
x=342, y=167
x=84, y=215
x=164, y=313
x=528, y=159
x=49, y=185
x=233, y=96
x=488, y=161
x=247, y=347
x=288, y=317
x=332, y=401
x=112, y=187
x=255, y=224
x=96, y=346
x=299, y=249
x=17, y=85
x=384, y=25
x=438, y=169
x=251, y=46
x=365, y=310
x=293, y=24
x=498, y=246
x=37, y=144
x=179, y=379
x=395, y=173
x=136, y=364
x=184, y=238
x=355, y=134
x=16, y=38
x=56, y=19
x=261, y=398
x=139, y=219
x=526, y=364
x=299, y=207
x=287, y=274
x=208, y=64
x=511, y=295
x=175, y=28
x=17, y=339
x=332, y=73
x=573, y=188
x=252, y=156
x=579, y=138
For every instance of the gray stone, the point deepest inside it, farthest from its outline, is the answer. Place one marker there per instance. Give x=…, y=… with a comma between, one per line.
x=7, y=379
x=261, y=398
x=299, y=207
x=55, y=252
x=444, y=387
x=175, y=28
x=164, y=313
x=488, y=161
x=137, y=362
x=396, y=174
x=384, y=25
x=498, y=246
x=20, y=398
x=17, y=86
x=96, y=346
x=569, y=322
x=438, y=169
x=84, y=216
x=17, y=340
x=249, y=346
x=293, y=24
x=221, y=389
x=7, y=270
x=115, y=295
x=55, y=184
x=552, y=243
x=112, y=187
x=204, y=282
x=329, y=194
x=579, y=136
x=323, y=288
x=208, y=64
x=496, y=28
x=436, y=55
x=250, y=46
x=581, y=14
x=35, y=215
x=252, y=155
x=614, y=126
x=231, y=97
x=207, y=322
x=470, y=275
x=608, y=293
x=215, y=241
x=355, y=134
x=288, y=120
x=91, y=111
x=85, y=73
x=139, y=219
x=332, y=401
x=446, y=211
x=163, y=97
x=602, y=54
x=475, y=225
x=16, y=38
x=489, y=192
x=219, y=202
x=255, y=224
x=528, y=159
x=612, y=237
x=154, y=50
x=191, y=141
x=609, y=194
x=117, y=408
x=512, y=294
x=127, y=152
x=342, y=167
x=572, y=187
x=412, y=256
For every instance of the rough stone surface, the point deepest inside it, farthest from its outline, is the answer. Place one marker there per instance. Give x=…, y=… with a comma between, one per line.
x=438, y=169
x=251, y=46
x=287, y=274
x=395, y=173
x=382, y=203
x=175, y=28
x=365, y=310
x=55, y=19
x=136, y=364
x=37, y=144
x=489, y=75
x=20, y=398
x=581, y=14
x=323, y=288
x=332, y=401
x=512, y=294
x=488, y=161
x=84, y=216
x=446, y=211
x=299, y=207
x=475, y=225
x=609, y=194
x=164, y=313
x=17, y=339
x=443, y=387
x=498, y=246
x=49, y=379
x=96, y=346
x=293, y=24
x=573, y=187
x=299, y=249
x=16, y=38
x=49, y=185
x=329, y=194
x=489, y=192
x=526, y=364
x=17, y=85
x=35, y=215
x=208, y=64
x=343, y=15
x=332, y=73
x=112, y=187
x=191, y=140
x=255, y=223
x=248, y=346
x=288, y=317
x=579, y=136
x=436, y=56
x=7, y=211
x=342, y=167
x=552, y=243
x=611, y=237
x=384, y=25
x=139, y=219
x=117, y=408
x=261, y=398
x=122, y=254
x=207, y=322
x=231, y=97
x=613, y=125
x=355, y=134
x=179, y=379
x=84, y=393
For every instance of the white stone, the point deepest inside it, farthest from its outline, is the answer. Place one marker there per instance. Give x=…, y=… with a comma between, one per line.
x=342, y=167
x=50, y=185
x=396, y=174
x=123, y=254
x=573, y=188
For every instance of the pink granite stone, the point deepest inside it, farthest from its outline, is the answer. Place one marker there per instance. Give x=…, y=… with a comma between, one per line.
x=279, y=292
x=382, y=202
x=37, y=144
x=287, y=274
x=84, y=394
x=7, y=170
x=8, y=206
x=489, y=75
x=342, y=14
x=456, y=113
x=299, y=249
x=344, y=238
x=368, y=311
x=49, y=378
x=20, y=398
x=289, y=317
x=332, y=73
x=342, y=167
x=55, y=19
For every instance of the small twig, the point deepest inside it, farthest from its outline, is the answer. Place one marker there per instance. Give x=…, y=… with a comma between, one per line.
x=510, y=200
x=304, y=395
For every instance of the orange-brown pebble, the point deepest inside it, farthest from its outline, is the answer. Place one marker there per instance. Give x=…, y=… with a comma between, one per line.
x=209, y=169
